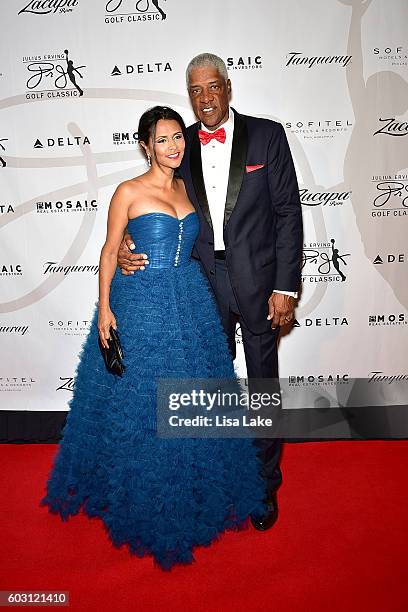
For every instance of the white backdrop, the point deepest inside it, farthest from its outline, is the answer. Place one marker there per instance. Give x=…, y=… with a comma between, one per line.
x=333, y=72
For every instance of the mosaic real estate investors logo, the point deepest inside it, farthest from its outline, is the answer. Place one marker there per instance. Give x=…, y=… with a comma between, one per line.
x=244, y=62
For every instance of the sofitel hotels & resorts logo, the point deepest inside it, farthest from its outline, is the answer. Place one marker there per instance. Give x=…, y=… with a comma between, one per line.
x=393, y=55
x=320, y=128
x=134, y=11
x=70, y=327
x=53, y=75
x=16, y=383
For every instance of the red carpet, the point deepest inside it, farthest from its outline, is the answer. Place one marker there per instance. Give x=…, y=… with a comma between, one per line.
x=340, y=543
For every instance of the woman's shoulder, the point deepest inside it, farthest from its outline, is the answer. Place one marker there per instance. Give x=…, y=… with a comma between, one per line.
x=131, y=188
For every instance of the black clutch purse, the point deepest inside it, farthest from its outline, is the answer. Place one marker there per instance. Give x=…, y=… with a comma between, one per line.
x=113, y=356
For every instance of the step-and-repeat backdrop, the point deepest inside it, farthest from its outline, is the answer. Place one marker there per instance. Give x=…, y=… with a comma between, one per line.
x=75, y=76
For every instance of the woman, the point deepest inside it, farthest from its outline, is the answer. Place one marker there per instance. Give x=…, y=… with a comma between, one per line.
x=159, y=496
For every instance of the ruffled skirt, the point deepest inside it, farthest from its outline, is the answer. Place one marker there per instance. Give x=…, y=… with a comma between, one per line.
x=158, y=496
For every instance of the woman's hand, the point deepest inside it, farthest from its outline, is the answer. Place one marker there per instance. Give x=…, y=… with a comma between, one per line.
x=106, y=319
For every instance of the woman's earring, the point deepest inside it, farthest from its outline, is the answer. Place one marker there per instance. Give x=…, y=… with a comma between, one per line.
x=149, y=163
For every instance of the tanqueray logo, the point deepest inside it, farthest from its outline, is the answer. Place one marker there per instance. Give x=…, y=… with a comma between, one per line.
x=296, y=58
x=45, y=7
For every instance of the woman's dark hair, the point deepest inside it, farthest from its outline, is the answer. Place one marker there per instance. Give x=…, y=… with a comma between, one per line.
x=149, y=119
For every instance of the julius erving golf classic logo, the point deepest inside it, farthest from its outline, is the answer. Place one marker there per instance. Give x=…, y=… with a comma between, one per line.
x=53, y=75
x=323, y=262
x=131, y=11
x=389, y=196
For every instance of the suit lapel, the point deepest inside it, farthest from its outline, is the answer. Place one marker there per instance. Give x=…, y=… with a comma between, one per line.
x=237, y=164
x=236, y=171
x=197, y=176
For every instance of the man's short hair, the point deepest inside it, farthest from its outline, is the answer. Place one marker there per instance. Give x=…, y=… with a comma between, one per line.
x=207, y=59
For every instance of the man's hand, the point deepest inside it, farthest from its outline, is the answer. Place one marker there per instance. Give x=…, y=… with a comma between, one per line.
x=128, y=262
x=281, y=309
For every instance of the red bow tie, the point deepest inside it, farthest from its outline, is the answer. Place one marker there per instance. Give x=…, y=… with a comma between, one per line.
x=205, y=137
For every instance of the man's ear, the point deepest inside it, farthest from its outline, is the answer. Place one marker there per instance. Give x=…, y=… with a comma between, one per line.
x=229, y=86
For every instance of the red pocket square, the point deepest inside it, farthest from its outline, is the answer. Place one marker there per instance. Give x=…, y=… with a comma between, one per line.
x=252, y=168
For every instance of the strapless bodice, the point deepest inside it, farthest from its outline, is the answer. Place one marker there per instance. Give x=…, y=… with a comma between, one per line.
x=166, y=240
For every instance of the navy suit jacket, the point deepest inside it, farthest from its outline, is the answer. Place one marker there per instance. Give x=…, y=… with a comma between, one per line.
x=263, y=231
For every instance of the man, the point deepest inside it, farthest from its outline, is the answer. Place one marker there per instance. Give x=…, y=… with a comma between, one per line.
x=239, y=174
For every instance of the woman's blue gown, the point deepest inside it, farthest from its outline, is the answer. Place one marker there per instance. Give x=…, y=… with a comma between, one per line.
x=159, y=496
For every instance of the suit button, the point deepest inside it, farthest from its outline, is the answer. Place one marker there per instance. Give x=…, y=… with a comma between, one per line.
x=212, y=272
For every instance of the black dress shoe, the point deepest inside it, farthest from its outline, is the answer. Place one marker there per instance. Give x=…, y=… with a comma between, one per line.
x=267, y=520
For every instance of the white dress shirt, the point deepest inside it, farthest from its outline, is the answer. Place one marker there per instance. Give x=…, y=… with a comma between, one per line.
x=215, y=159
